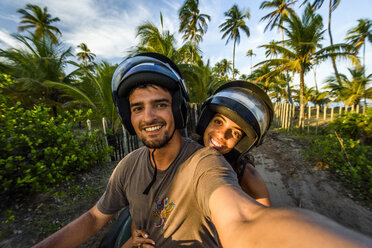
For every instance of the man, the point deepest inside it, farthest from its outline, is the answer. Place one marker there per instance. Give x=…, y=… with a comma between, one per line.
x=180, y=193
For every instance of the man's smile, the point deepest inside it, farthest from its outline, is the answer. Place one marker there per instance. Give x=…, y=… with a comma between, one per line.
x=153, y=128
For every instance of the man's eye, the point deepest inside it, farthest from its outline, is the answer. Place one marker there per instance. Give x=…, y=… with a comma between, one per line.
x=162, y=105
x=136, y=109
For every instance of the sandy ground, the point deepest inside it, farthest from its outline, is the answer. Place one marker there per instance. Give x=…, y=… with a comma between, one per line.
x=294, y=182
x=291, y=182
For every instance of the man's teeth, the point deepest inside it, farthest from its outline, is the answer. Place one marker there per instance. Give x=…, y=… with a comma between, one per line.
x=150, y=129
x=214, y=143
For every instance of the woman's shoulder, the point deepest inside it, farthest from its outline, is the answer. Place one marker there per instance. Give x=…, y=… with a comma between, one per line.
x=247, y=159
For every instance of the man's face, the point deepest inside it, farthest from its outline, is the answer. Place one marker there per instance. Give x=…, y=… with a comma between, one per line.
x=151, y=115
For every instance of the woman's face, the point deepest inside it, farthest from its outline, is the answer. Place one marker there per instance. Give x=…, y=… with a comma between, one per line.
x=222, y=134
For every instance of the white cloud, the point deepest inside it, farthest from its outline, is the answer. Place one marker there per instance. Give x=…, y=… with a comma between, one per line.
x=108, y=27
x=7, y=39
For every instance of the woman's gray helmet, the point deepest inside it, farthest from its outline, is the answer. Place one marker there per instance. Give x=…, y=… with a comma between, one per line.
x=149, y=68
x=244, y=103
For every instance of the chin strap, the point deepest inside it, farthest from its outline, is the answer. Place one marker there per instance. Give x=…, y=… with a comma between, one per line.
x=146, y=192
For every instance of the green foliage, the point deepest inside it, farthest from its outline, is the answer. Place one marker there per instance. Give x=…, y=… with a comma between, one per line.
x=349, y=160
x=37, y=150
x=354, y=126
x=9, y=216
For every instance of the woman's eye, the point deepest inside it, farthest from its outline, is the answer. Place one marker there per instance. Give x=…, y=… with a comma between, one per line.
x=237, y=134
x=217, y=121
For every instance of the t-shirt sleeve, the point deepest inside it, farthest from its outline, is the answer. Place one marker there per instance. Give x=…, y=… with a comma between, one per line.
x=114, y=198
x=212, y=172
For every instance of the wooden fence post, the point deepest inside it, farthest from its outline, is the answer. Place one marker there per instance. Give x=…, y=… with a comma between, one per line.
x=105, y=126
x=285, y=115
x=293, y=115
x=340, y=110
x=317, y=119
x=352, y=108
x=282, y=114
x=364, y=108
x=125, y=138
x=346, y=108
x=325, y=113
x=308, y=119
x=332, y=113
x=357, y=109
x=89, y=126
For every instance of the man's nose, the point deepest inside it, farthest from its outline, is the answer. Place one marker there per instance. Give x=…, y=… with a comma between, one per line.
x=149, y=114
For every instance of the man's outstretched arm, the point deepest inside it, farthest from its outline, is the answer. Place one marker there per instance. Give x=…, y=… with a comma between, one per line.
x=78, y=231
x=241, y=221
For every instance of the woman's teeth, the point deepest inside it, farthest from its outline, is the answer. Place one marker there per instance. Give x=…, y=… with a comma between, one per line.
x=214, y=143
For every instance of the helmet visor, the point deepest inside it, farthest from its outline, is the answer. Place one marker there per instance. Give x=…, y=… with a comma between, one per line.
x=251, y=104
x=134, y=66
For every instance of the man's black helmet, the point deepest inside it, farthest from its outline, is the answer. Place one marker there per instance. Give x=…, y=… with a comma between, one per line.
x=245, y=104
x=149, y=68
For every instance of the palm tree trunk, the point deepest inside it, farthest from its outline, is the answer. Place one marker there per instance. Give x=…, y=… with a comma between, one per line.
x=289, y=92
x=288, y=86
x=364, y=59
x=331, y=39
x=234, y=59
x=316, y=85
x=302, y=102
x=251, y=63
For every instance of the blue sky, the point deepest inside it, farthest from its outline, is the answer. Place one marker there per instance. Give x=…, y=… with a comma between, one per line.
x=108, y=27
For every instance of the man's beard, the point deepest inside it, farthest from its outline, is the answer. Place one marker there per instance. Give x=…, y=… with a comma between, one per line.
x=157, y=143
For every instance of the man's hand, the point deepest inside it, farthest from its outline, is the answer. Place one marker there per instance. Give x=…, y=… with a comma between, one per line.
x=141, y=239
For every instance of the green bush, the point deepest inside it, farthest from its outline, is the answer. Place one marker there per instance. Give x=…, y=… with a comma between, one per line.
x=351, y=162
x=354, y=126
x=37, y=150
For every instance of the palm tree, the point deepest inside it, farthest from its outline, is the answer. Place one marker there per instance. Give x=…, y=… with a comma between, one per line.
x=263, y=78
x=85, y=54
x=37, y=61
x=358, y=36
x=201, y=80
x=244, y=77
x=190, y=53
x=278, y=86
x=193, y=24
x=222, y=69
x=250, y=54
x=39, y=19
x=281, y=10
x=351, y=91
x=302, y=48
x=232, y=26
x=333, y=4
x=308, y=95
x=154, y=40
x=92, y=90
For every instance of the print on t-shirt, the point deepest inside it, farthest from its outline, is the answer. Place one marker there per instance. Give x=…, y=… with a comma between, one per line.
x=162, y=209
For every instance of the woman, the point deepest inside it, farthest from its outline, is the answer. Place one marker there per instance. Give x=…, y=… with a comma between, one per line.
x=233, y=121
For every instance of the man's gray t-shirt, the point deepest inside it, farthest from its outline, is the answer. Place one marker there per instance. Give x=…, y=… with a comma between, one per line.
x=175, y=213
